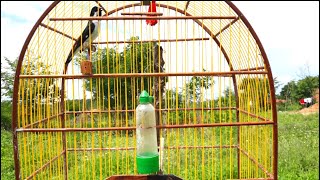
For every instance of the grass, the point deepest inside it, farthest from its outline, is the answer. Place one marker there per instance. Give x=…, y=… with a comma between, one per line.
x=298, y=146
x=298, y=154
x=7, y=164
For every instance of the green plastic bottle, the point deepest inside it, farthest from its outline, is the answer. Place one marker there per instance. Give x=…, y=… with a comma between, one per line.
x=147, y=149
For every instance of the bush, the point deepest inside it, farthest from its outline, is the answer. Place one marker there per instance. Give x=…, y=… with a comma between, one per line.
x=73, y=106
x=289, y=106
x=6, y=117
x=7, y=163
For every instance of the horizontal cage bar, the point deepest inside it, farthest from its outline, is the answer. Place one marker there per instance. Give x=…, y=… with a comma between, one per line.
x=134, y=128
x=122, y=75
x=161, y=40
x=142, y=18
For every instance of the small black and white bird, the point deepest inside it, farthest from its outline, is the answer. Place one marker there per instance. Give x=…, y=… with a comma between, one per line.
x=89, y=34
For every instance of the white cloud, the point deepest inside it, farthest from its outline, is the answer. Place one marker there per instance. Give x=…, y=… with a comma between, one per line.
x=17, y=20
x=29, y=11
x=292, y=27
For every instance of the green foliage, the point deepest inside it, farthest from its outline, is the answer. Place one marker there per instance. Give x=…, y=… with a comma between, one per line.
x=130, y=60
x=298, y=146
x=35, y=89
x=298, y=134
x=303, y=88
x=277, y=83
x=7, y=77
x=289, y=106
x=306, y=86
x=255, y=90
x=194, y=86
x=7, y=165
x=6, y=111
x=288, y=91
x=77, y=105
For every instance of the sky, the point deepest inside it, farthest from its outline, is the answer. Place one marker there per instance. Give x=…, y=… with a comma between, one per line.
x=289, y=32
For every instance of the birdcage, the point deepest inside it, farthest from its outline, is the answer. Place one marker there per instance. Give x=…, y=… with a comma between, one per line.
x=84, y=65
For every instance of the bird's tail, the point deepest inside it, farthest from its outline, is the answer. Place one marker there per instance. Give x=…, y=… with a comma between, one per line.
x=69, y=58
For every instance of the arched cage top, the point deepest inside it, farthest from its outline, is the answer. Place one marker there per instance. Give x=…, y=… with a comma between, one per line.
x=202, y=61
x=221, y=21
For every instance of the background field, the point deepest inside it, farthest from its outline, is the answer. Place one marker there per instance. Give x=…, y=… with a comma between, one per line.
x=298, y=147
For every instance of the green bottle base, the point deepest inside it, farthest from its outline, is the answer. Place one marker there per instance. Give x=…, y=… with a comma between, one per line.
x=148, y=164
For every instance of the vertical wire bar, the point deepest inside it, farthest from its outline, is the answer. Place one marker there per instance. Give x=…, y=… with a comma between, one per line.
x=126, y=99
x=93, y=134
x=75, y=134
x=193, y=105
x=212, y=103
x=184, y=96
x=117, y=93
x=64, y=133
x=257, y=129
x=239, y=115
x=37, y=109
x=133, y=81
x=102, y=101
x=220, y=112
x=48, y=105
x=230, y=101
x=107, y=116
x=251, y=101
x=176, y=95
x=201, y=97
x=169, y=105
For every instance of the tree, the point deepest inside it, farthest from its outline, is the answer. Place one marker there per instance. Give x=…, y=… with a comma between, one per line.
x=194, y=87
x=253, y=90
x=174, y=96
x=303, y=88
x=135, y=58
x=34, y=89
x=7, y=77
x=277, y=83
x=288, y=91
x=229, y=95
x=306, y=86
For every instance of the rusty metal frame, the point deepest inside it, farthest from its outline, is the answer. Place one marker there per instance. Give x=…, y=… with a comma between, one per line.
x=141, y=18
x=123, y=75
x=262, y=123
x=256, y=162
x=45, y=165
x=271, y=85
x=133, y=148
x=240, y=15
x=167, y=110
x=186, y=7
x=251, y=69
x=62, y=110
x=253, y=115
x=227, y=26
x=54, y=30
x=142, y=13
x=43, y=120
x=16, y=90
x=161, y=40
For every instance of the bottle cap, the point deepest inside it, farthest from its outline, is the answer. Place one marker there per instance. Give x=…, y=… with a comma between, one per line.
x=144, y=97
x=148, y=164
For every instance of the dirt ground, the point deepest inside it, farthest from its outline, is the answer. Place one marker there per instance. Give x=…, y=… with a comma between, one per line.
x=314, y=108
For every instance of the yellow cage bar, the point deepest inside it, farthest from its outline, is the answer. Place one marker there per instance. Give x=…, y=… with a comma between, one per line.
x=203, y=63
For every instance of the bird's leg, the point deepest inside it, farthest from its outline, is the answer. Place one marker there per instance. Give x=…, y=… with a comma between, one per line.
x=94, y=48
